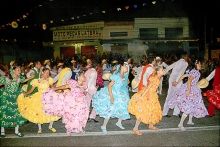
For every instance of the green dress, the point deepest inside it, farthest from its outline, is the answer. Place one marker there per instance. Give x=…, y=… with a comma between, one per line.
x=9, y=114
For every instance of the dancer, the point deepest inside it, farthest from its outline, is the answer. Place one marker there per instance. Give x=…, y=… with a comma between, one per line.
x=91, y=76
x=54, y=71
x=71, y=106
x=60, y=67
x=127, y=63
x=75, y=69
x=178, y=69
x=99, y=81
x=112, y=101
x=114, y=64
x=31, y=107
x=105, y=71
x=9, y=114
x=29, y=70
x=213, y=96
x=145, y=104
x=147, y=70
x=47, y=65
x=35, y=73
x=63, y=76
x=189, y=98
x=163, y=64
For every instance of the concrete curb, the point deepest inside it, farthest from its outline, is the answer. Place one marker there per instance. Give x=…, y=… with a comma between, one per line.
x=34, y=135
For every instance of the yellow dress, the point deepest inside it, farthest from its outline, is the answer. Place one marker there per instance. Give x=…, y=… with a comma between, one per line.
x=31, y=107
x=147, y=109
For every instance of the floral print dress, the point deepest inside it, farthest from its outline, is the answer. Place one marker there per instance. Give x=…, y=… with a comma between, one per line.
x=193, y=104
x=9, y=114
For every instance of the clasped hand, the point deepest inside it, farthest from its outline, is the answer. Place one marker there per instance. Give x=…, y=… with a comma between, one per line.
x=174, y=83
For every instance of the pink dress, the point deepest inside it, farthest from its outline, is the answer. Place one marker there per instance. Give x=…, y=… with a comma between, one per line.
x=71, y=106
x=99, y=80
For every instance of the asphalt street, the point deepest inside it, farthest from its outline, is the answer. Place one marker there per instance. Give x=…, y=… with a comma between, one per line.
x=205, y=132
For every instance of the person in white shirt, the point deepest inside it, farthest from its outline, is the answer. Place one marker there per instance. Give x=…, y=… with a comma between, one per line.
x=147, y=70
x=47, y=65
x=164, y=65
x=75, y=70
x=211, y=75
x=178, y=69
x=63, y=76
x=60, y=67
x=29, y=70
x=2, y=73
x=54, y=70
x=105, y=71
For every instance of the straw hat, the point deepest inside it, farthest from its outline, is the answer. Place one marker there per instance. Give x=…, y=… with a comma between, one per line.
x=73, y=61
x=103, y=61
x=46, y=61
x=30, y=64
x=106, y=76
x=114, y=61
x=88, y=60
x=24, y=87
x=12, y=62
x=59, y=64
x=202, y=83
x=135, y=83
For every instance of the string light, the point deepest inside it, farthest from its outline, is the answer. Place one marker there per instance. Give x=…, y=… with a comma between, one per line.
x=51, y=21
x=118, y=9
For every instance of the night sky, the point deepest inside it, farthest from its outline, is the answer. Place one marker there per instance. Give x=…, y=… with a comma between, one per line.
x=62, y=12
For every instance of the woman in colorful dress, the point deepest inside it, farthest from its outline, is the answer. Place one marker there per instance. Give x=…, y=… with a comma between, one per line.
x=71, y=106
x=112, y=100
x=31, y=107
x=99, y=81
x=145, y=104
x=189, y=98
x=9, y=114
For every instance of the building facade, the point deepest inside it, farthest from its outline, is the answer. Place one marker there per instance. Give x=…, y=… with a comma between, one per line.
x=132, y=37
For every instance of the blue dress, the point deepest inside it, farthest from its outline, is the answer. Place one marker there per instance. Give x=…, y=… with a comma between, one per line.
x=119, y=109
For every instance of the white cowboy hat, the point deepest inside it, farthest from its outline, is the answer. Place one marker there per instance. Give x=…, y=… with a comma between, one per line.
x=103, y=61
x=88, y=60
x=157, y=58
x=115, y=61
x=30, y=64
x=59, y=64
x=46, y=61
x=202, y=83
x=73, y=61
x=135, y=83
x=12, y=62
x=106, y=76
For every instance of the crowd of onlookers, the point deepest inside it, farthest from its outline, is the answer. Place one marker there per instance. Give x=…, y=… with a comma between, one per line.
x=207, y=65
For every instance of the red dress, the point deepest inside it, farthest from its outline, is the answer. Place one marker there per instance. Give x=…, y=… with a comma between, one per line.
x=213, y=96
x=99, y=80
